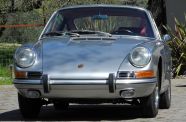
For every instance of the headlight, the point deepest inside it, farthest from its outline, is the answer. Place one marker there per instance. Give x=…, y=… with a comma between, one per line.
x=140, y=56
x=25, y=57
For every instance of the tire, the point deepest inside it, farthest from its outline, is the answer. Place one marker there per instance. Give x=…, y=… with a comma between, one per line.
x=165, y=99
x=151, y=104
x=61, y=106
x=29, y=108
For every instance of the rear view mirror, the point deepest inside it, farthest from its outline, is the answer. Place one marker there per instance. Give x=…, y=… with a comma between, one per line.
x=166, y=37
x=99, y=17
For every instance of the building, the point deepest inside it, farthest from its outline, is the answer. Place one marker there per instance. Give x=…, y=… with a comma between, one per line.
x=175, y=8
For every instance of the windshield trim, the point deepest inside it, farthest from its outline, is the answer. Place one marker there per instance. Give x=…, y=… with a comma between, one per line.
x=74, y=8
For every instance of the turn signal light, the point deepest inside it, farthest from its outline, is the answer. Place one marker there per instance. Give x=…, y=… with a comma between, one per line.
x=145, y=74
x=20, y=74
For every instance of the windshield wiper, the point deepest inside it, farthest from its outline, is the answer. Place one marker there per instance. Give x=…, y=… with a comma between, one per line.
x=72, y=34
x=100, y=33
x=56, y=33
x=53, y=33
x=76, y=33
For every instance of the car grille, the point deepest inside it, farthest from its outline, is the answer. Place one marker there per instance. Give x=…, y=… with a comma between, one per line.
x=126, y=74
x=34, y=75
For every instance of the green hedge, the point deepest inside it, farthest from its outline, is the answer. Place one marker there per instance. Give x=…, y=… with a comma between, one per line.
x=6, y=53
x=5, y=76
x=178, y=46
x=6, y=58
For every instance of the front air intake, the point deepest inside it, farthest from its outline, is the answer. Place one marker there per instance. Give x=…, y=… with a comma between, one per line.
x=126, y=74
x=34, y=75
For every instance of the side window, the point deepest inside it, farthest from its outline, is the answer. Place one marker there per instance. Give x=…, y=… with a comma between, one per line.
x=56, y=24
x=154, y=24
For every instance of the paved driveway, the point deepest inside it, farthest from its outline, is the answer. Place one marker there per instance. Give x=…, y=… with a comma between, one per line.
x=177, y=113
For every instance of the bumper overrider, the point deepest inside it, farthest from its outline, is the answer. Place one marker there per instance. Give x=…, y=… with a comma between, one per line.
x=109, y=88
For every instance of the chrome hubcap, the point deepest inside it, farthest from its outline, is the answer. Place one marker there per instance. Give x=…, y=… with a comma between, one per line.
x=156, y=101
x=169, y=93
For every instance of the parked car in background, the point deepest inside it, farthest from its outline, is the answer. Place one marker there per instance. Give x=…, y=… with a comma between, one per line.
x=95, y=54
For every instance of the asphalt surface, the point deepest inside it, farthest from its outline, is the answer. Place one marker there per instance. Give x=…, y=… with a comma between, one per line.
x=177, y=113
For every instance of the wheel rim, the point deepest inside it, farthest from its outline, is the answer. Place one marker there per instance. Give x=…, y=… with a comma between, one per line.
x=156, y=101
x=169, y=93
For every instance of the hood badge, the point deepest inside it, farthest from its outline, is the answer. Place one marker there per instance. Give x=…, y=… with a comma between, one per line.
x=80, y=66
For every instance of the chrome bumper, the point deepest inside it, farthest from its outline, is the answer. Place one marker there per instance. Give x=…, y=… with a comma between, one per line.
x=86, y=88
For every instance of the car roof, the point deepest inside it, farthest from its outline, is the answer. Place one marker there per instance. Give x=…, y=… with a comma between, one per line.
x=104, y=5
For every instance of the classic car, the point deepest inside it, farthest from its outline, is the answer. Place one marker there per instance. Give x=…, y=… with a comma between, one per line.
x=95, y=54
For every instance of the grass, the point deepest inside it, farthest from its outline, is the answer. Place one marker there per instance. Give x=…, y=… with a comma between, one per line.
x=6, y=58
x=9, y=45
x=5, y=75
x=7, y=81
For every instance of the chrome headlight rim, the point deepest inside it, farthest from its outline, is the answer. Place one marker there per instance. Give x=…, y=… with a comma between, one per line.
x=147, y=56
x=21, y=50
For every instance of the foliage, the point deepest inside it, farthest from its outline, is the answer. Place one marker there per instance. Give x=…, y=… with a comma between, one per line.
x=6, y=58
x=4, y=6
x=23, y=34
x=38, y=12
x=5, y=76
x=6, y=81
x=6, y=53
x=178, y=46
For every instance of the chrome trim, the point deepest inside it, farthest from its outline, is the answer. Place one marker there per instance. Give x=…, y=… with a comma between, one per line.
x=86, y=82
x=78, y=82
x=88, y=89
x=125, y=75
x=136, y=81
x=68, y=79
x=27, y=82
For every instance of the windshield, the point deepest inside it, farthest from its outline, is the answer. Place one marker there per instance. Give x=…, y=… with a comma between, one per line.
x=112, y=20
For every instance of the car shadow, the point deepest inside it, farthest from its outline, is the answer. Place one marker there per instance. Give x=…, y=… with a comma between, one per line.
x=181, y=86
x=80, y=113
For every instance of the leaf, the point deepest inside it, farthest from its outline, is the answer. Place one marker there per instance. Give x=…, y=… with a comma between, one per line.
x=176, y=21
x=178, y=45
x=182, y=54
x=178, y=69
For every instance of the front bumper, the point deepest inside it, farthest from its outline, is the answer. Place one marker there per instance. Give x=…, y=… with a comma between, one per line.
x=86, y=88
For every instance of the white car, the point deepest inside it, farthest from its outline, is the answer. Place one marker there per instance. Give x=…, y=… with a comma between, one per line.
x=97, y=54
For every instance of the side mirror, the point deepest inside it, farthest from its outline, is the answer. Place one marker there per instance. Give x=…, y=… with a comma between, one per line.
x=166, y=37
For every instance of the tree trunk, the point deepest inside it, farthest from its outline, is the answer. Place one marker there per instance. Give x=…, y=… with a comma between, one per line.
x=158, y=9
x=12, y=5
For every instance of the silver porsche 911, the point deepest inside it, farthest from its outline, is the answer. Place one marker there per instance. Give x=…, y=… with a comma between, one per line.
x=95, y=54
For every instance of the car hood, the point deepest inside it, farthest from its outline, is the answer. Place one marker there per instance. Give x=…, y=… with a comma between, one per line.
x=85, y=57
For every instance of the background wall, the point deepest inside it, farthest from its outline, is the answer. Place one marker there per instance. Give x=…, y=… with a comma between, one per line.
x=175, y=8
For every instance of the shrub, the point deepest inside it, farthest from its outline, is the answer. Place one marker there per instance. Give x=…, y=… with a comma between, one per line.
x=178, y=46
x=6, y=58
x=6, y=53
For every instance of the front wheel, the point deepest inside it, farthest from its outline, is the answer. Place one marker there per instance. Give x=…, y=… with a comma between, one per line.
x=29, y=108
x=151, y=104
x=165, y=98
